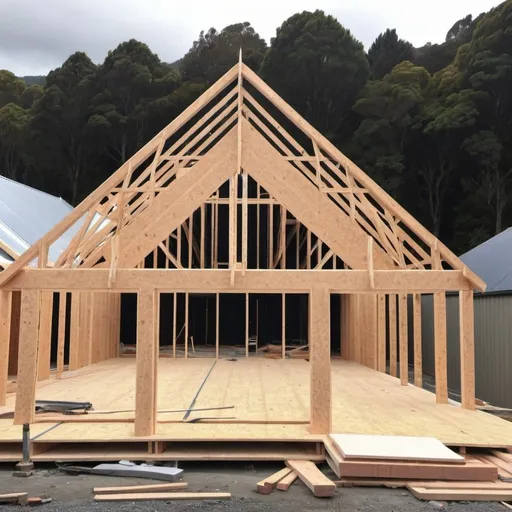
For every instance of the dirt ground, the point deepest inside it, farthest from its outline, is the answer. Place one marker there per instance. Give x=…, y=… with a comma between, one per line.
x=239, y=479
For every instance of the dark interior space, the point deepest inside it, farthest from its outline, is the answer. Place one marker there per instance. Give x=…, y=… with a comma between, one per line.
x=265, y=320
x=55, y=327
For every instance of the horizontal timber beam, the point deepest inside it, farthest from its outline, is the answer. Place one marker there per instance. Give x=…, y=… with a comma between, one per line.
x=265, y=281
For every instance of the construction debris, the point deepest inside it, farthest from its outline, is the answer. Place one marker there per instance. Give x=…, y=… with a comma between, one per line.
x=20, y=498
x=128, y=469
x=314, y=479
x=269, y=484
x=284, y=484
x=141, y=488
x=169, y=496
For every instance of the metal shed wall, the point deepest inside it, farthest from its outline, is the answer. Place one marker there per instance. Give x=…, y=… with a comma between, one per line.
x=493, y=345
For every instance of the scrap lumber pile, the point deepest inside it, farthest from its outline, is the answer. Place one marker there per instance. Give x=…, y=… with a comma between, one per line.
x=427, y=471
x=306, y=471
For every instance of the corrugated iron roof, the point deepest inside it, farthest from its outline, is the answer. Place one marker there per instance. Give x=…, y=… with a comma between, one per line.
x=492, y=261
x=26, y=214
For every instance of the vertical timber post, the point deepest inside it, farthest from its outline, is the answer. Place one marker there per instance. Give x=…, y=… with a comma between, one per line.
x=381, y=333
x=320, y=361
x=147, y=361
x=404, y=353
x=27, y=361
x=441, y=371
x=45, y=335
x=392, y=335
x=5, y=336
x=418, y=359
x=467, y=349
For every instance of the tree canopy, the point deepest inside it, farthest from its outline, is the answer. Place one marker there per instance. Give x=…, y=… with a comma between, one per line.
x=432, y=125
x=214, y=53
x=318, y=66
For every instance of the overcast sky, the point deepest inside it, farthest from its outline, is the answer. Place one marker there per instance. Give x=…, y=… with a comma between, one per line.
x=38, y=35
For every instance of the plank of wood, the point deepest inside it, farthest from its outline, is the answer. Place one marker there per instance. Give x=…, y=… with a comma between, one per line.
x=141, y=488
x=15, y=497
x=418, y=368
x=467, y=349
x=314, y=479
x=267, y=485
x=277, y=281
x=288, y=480
x=403, y=448
x=461, y=494
x=381, y=333
x=418, y=471
x=27, y=359
x=163, y=496
x=45, y=334
x=5, y=335
x=372, y=482
x=403, y=337
x=392, y=334
x=497, y=484
x=320, y=375
x=61, y=333
x=506, y=457
x=440, y=355
x=147, y=356
x=504, y=467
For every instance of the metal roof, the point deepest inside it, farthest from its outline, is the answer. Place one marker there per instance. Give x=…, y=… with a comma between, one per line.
x=492, y=261
x=26, y=214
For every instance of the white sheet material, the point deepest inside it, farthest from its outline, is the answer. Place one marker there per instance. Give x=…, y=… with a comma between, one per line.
x=354, y=446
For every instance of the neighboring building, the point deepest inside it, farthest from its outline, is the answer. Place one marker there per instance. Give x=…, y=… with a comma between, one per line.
x=26, y=214
x=492, y=261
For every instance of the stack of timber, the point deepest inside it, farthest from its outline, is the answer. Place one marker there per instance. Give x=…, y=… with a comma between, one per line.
x=428, y=469
x=306, y=471
x=404, y=462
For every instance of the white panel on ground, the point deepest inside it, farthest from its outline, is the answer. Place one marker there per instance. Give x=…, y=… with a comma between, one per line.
x=354, y=446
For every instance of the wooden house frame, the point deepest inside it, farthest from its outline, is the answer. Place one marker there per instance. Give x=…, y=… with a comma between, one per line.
x=346, y=234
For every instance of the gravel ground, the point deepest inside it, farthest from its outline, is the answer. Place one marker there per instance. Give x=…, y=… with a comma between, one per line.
x=239, y=479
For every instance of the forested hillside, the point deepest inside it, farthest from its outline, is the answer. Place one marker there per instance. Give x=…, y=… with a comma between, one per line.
x=432, y=125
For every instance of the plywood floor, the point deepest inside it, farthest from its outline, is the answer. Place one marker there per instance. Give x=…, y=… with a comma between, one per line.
x=270, y=399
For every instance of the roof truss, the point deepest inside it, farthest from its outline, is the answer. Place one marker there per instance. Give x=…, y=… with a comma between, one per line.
x=229, y=134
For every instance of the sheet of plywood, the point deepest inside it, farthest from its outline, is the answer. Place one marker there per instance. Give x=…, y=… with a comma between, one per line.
x=429, y=449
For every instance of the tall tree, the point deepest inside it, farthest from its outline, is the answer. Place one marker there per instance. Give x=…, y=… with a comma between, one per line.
x=11, y=88
x=215, y=52
x=485, y=68
x=61, y=139
x=386, y=52
x=318, y=67
x=387, y=108
x=13, y=133
x=461, y=30
x=130, y=78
